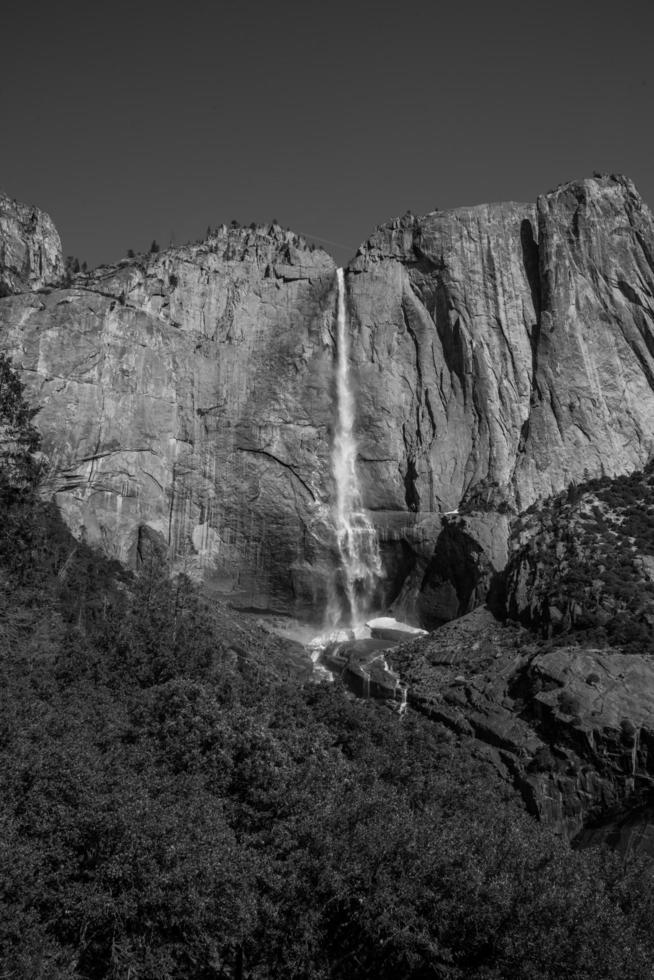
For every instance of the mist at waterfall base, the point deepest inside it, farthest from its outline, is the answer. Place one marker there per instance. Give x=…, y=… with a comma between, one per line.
x=359, y=569
x=354, y=590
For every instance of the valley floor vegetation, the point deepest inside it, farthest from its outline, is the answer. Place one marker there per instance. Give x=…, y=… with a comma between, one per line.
x=176, y=802
x=588, y=559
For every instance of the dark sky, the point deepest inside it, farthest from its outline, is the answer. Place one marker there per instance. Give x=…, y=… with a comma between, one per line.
x=141, y=120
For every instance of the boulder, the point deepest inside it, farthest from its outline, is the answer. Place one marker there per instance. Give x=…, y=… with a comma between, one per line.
x=387, y=628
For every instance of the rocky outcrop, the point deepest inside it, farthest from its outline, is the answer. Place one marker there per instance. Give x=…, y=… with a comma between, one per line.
x=362, y=664
x=387, y=628
x=570, y=728
x=498, y=353
x=593, y=708
x=30, y=248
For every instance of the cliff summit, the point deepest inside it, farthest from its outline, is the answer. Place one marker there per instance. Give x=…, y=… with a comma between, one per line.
x=498, y=354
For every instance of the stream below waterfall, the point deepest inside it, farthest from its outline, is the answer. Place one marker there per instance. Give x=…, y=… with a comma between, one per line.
x=355, y=654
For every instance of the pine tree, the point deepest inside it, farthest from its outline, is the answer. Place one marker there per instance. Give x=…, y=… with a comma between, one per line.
x=19, y=440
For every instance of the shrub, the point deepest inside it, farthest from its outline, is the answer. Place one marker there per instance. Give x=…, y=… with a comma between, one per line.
x=628, y=728
x=20, y=469
x=568, y=703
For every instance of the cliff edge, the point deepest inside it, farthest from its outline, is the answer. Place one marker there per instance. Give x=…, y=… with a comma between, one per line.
x=498, y=354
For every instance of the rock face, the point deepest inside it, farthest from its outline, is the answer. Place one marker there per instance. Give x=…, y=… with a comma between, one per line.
x=30, y=248
x=503, y=352
x=188, y=395
x=498, y=353
x=363, y=666
x=571, y=728
x=594, y=710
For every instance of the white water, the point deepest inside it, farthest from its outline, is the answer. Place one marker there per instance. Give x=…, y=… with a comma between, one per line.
x=356, y=537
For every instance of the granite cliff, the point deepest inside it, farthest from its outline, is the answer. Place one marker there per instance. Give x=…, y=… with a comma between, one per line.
x=498, y=353
x=185, y=398
x=30, y=248
x=503, y=352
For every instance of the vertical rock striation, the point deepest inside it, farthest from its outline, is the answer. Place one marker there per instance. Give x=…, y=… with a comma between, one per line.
x=30, y=248
x=189, y=395
x=504, y=351
x=447, y=322
x=497, y=353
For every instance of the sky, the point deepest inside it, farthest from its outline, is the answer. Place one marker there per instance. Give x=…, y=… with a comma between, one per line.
x=129, y=122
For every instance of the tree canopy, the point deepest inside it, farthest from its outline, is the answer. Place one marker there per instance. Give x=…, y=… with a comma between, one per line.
x=19, y=438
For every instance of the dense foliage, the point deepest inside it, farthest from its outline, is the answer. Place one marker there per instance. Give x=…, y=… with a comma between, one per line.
x=172, y=806
x=588, y=562
x=19, y=439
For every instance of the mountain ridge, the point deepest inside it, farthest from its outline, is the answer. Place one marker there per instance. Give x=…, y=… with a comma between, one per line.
x=498, y=353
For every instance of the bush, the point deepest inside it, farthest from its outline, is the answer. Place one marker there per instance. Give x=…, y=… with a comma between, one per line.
x=568, y=703
x=20, y=468
x=628, y=728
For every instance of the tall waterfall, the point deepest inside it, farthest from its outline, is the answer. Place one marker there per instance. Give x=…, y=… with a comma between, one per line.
x=358, y=547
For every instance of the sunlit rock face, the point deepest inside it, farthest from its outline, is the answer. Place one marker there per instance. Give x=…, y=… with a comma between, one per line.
x=30, y=248
x=594, y=377
x=502, y=352
x=189, y=394
x=446, y=325
x=497, y=354
x=445, y=330
x=505, y=350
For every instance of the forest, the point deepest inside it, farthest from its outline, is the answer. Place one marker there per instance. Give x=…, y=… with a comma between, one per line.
x=179, y=800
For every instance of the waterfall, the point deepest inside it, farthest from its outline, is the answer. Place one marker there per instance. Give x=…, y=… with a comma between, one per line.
x=358, y=548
